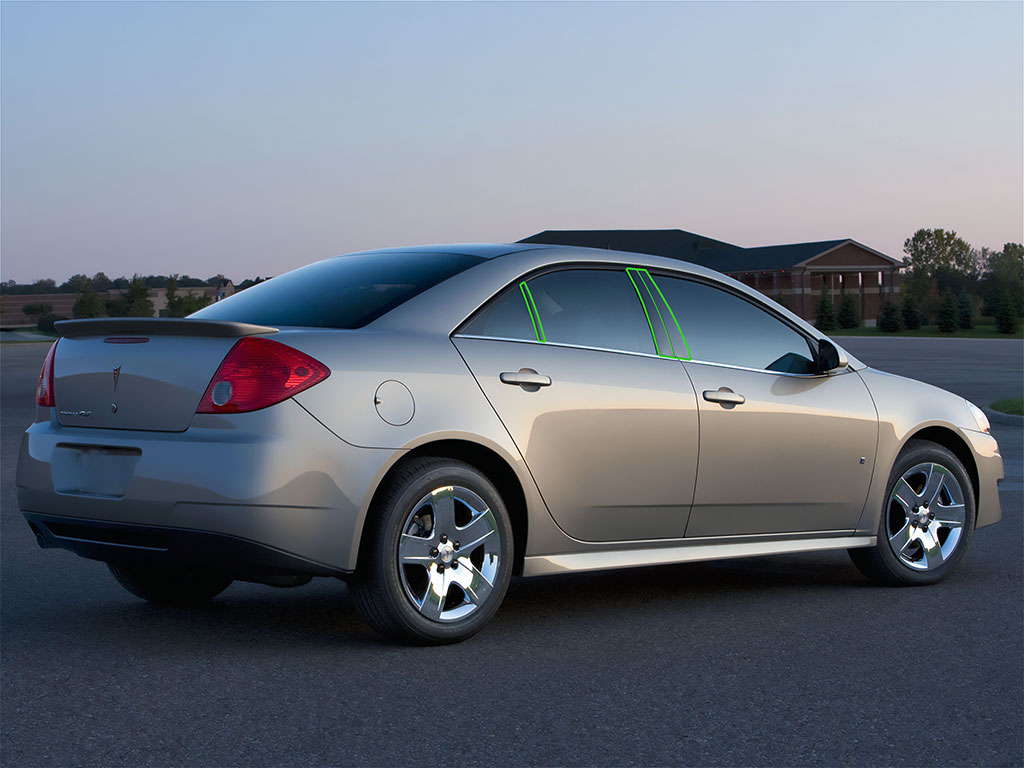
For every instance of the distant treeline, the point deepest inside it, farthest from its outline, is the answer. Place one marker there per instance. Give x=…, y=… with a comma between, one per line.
x=99, y=296
x=947, y=282
x=101, y=283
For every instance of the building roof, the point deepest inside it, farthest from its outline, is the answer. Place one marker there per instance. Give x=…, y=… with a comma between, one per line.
x=706, y=251
x=672, y=243
x=771, y=257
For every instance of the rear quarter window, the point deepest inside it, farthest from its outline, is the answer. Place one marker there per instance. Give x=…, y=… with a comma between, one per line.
x=344, y=292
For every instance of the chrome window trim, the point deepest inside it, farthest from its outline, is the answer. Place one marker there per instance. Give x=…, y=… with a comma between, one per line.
x=638, y=354
x=559, y=344
x=757, y=370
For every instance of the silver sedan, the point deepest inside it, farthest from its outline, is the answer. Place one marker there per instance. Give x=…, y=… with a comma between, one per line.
x=425, y=422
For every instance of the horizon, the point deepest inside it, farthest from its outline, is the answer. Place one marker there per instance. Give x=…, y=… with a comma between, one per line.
x=249, y=139
x=60, y=280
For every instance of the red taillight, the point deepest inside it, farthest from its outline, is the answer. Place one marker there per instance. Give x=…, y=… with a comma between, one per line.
x=258, y=373
x=44, y=390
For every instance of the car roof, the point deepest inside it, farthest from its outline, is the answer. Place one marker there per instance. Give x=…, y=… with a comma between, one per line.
x=501, y=263
x=483, y=250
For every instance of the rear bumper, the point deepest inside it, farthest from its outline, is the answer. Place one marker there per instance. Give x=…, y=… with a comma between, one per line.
x=156, y=545
x=276, y=480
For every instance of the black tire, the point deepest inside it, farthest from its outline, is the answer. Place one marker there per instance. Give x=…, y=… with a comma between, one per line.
x=169, y=585
x=382, y=594
x=881, y=563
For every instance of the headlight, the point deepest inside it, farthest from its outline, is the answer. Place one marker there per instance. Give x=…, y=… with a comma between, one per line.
x=979, y=416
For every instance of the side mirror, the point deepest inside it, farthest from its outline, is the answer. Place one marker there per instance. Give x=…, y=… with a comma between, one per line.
x=830, y=357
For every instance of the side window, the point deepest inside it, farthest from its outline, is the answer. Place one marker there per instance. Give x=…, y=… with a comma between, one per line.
x=723, y=328
x=591, y=308
x=582, y=307
x=506, y=317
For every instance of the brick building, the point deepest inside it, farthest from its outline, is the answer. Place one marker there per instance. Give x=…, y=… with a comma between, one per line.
x=796, y=275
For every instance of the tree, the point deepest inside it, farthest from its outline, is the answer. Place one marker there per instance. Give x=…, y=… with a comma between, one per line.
x=941, y=255
x=848, y=312
x=171, y=292
x=1006, y=317
x=45, y=322
x=74, y=284
x=910, y=312
x=931, y=302
x=155, y=281
x=965, y=310
x=889, y=319
x=190, y=303
x=249, y=283
x=100, y=282
x=947, y=313
x=21, y=289
x=825, y=317
x=37, y=308
x=138, y=303
x=183, y=306
x=116, y=305
x=1004, y=279
x=88, y=303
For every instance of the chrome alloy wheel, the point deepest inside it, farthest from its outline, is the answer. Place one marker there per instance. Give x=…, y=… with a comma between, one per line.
x=449, y=554
x=926, y=516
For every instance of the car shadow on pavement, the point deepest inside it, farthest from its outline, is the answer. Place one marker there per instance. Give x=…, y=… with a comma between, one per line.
x=691, y=584
x=321, y=614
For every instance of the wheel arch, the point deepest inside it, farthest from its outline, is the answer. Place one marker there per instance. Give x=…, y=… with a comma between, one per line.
x=489, y=463
x=949, y=439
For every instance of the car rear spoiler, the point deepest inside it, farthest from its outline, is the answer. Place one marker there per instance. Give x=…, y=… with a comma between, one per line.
x=157, y=326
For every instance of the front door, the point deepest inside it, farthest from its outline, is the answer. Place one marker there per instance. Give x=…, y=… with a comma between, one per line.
x=782, y=449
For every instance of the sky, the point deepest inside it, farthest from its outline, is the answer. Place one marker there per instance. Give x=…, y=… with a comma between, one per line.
x=251, y=138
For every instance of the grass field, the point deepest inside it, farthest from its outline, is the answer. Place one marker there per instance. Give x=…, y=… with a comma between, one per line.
x=927, y=331
x=1011, y=405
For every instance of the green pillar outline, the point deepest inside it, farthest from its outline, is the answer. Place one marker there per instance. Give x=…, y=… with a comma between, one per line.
x=689, y=355
x=660, y=316
x=538, y=326
x=650, y=277
x=643, y=306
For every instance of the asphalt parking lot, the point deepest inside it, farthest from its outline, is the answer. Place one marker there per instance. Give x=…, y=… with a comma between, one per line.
x=792, y=660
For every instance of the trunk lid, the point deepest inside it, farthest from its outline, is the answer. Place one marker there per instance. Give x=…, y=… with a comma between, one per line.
x=138, y=373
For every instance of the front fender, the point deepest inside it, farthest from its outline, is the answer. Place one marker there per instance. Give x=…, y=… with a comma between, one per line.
x=907, y=409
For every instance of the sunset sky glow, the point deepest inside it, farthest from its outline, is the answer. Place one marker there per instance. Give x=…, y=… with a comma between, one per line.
x=252, y=138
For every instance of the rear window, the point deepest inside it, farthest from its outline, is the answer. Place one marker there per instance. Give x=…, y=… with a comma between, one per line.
x=345, y=292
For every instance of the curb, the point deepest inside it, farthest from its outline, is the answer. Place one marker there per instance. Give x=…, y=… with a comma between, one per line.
x=997, y=417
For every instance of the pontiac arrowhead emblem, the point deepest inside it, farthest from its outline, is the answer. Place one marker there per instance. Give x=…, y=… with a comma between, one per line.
x=117, y=375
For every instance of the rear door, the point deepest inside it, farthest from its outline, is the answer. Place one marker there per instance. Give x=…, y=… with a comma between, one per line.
x=606, y=420
x=782, y=448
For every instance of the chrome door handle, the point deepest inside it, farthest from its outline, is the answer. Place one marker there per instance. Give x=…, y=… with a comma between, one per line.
x=724, y=396
x=525, y=377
